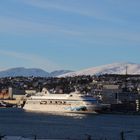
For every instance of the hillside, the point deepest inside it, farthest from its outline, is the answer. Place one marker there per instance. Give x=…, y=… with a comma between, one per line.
x=115, y=68
x=27, y=72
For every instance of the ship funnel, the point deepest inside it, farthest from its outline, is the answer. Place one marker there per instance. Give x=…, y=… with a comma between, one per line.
x=45, y=91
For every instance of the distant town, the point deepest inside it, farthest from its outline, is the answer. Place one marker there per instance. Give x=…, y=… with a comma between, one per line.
x=121, y=92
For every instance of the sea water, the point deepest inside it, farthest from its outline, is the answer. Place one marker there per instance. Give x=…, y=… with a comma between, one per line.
x=17, y=122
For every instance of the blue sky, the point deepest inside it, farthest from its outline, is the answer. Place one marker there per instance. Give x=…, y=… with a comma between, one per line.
x=68, y=34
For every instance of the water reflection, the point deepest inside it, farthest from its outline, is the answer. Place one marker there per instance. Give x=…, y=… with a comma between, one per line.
x=63, y=114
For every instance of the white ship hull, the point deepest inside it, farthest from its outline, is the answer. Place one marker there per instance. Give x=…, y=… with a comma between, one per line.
x=60, y=108
x=61, y=103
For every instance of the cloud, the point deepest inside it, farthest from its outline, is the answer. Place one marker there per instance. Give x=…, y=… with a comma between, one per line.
x=31, y=59
x=77, y=7
x=94, y=33
x=17, y=26
x=91, y=35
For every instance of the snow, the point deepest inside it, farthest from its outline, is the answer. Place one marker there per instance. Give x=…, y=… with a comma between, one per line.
x=115, y=68
x=21, y=71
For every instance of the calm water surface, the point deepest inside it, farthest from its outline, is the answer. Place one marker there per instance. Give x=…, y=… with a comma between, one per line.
x=15, y=122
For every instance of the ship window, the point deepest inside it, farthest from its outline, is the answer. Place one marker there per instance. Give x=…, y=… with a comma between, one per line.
x=43, y=102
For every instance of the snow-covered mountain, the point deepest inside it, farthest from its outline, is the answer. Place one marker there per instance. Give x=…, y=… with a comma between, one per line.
x=23, y=72
x=115, y=68
x=59, y=72
x=20, y=71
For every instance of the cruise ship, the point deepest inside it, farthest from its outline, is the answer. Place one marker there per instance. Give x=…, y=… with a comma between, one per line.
x=73, y=102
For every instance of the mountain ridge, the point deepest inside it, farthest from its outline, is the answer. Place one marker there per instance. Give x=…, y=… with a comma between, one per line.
x=27, y=72
x=115, y=68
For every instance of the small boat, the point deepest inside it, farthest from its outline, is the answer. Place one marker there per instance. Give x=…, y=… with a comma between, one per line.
x=5, y=104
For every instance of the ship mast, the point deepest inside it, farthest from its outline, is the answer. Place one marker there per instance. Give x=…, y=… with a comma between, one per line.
x=126, y=73
x=126, y=70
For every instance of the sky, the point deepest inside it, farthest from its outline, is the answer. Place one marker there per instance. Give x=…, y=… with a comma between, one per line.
x=68, y=34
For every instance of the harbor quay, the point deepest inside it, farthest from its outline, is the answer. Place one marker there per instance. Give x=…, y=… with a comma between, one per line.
x=118, y=93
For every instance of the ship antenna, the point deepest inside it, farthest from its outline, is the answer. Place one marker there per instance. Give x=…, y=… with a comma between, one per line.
x=126, y=70
x=126, y=73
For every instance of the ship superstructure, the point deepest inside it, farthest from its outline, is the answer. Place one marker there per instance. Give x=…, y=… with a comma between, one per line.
x=73, y=102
